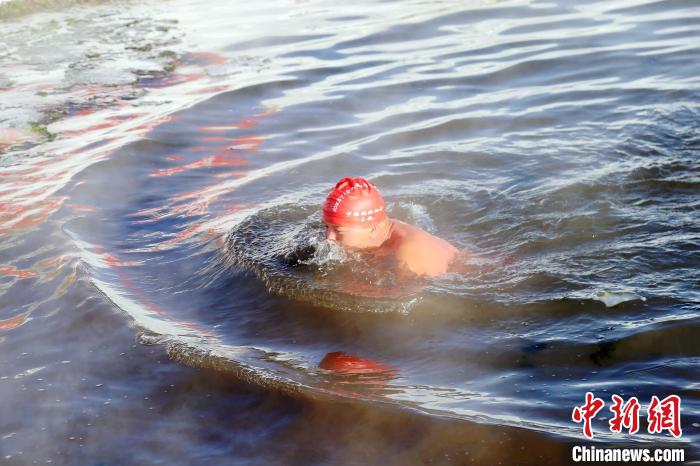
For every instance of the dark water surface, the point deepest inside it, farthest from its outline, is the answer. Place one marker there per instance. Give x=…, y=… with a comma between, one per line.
x=162, y=170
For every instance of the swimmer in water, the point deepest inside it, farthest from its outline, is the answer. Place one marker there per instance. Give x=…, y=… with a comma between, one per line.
x=354, y=217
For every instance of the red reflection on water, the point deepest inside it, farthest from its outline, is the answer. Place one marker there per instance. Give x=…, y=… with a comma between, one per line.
x=210, y=233
x=351, y=375
x=247, y=123
x=16, y=217
x=12, y=271
x=200, y=149
x=82, y=208
x=172, y=80
x=182, y=235
x=12, y=137
x=267, y=112
x=58, y=261
x=204, y=58
x=13, y=322
x=244, y=123
x=228, y=153
x=127, y=117
x=222, y=157
x=251, y=143
x=86, y=111
x=150, y=215
x=203, y=195
x=341, y=362
x=109, y=259
x=146, y=303
x=145, y=128
x=101, y=92
x=229, y=174
x=221, y=160
x=209, y=90
x=229, y=209
x=89, y=129
x=98, y=98
x=112, y=261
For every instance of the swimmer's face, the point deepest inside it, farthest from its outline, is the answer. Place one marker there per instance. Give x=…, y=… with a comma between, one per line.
x=358, y=238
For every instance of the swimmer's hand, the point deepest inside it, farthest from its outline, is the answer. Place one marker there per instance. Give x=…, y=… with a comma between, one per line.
x=299, y=255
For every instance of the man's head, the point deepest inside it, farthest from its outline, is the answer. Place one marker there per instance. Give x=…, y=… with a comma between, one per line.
x=354, y=214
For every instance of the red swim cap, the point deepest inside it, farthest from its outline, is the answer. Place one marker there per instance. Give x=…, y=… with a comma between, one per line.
x=354, y=203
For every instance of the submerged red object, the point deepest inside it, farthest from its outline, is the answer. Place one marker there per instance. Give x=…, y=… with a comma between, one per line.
x=341, y=362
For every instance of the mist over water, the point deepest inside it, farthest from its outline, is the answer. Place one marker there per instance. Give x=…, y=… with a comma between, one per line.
x=166, y=294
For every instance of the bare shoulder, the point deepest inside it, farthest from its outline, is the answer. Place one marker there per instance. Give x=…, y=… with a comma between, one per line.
x=423, y=253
